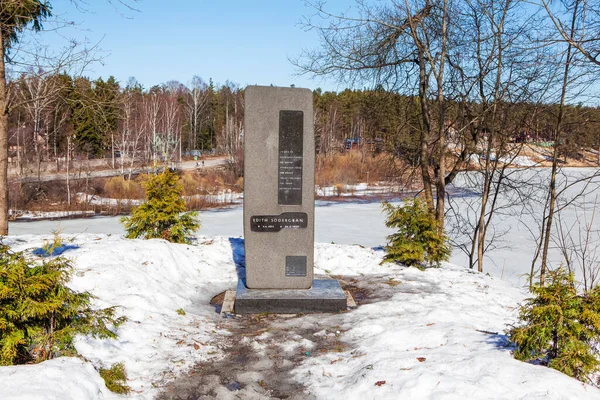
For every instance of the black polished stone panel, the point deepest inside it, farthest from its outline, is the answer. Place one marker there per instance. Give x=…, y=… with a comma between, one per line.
x=291, y=130
x=275, y=223
x=295, y=266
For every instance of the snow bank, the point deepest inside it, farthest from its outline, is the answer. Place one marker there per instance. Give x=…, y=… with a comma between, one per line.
x=37, y=215
x=150, y=280
x=59, y=379
x=226, y=196
x=96, y=200
x=360, y=189
x=436, y=334
x=520, y=161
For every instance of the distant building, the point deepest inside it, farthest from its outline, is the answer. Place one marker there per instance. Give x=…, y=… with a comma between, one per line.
x=374, y=145
x=354, y=143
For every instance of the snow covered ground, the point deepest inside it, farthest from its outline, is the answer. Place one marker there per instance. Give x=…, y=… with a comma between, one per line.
x=436, y=334
x=27, y=216
x=362, y=222
x=103, y=201
x=225, y=197
x=517, y=161
x=361, y=189
x=150, y=280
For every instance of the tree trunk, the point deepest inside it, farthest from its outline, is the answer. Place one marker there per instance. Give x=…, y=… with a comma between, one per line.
x=551, y=205
x=552, y=189
x=441, y=135
x=3, y=144
x=68, y=170
x=112, y=148
x=425, y=131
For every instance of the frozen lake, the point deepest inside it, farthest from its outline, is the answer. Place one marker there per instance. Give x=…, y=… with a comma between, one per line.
x=345, y=223
x=363, y=224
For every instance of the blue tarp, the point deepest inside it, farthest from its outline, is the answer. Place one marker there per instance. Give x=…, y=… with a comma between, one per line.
x=57, y=251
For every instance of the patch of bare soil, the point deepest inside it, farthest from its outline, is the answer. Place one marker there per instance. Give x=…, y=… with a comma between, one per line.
x=263, y=349
x=246, y=371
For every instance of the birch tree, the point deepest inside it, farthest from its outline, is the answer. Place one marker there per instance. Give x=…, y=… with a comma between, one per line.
x=196, y=102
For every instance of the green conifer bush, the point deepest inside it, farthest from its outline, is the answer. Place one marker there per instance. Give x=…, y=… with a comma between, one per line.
x=39, y=314
x=560, y=328
x=162, y=214
x=417, y=239
x=115, y=378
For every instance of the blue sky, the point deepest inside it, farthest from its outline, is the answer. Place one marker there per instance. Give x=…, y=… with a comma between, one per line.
x=244, y=41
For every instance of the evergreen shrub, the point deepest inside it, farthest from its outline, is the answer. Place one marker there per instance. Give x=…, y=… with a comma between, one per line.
x=115, y=378
x=417, y=239
x=39, y=314
x=560, y=328
x=162, y=214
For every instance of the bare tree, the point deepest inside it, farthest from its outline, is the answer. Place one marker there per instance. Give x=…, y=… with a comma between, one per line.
x=498, y=26
x=574, y=71
x=17, y=16
x=230, y=139
x=581, y=35
x=152, y=119
x=196, y=102
x=172, y=121
x=131, y=130
x=38, y=95
x=404, y=47
x=579, y=243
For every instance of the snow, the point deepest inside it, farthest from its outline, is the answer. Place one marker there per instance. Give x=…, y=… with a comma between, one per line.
x=105, y=201
x=340, y=223
x=37, y=215
x=437, y=333
x=519, y=161
x=362, y=222
x=63, y=378
x=226, y=197
x=440, y=335
x=223, y=197
x=149, y=281
x=361, y=189
x=516, y=224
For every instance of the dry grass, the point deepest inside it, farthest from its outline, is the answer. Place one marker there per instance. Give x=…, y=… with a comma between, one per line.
x=52, y=196
x=119, y=188
x=200, y=188
x=211, y=182
x=355, y=167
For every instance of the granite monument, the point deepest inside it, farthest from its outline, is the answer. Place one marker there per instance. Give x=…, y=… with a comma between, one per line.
x=279, y=170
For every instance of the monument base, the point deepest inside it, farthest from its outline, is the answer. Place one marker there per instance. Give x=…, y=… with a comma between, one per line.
x=325, y=295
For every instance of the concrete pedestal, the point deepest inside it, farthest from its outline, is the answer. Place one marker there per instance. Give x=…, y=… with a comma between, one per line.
x=325, y=295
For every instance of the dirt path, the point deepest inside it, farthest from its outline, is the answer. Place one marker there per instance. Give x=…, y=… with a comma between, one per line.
x=254, y=367
x=261, y=353
x=108, y=172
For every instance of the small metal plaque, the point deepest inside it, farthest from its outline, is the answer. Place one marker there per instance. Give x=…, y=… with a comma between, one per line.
x=291, y=130
x=275, y=223
x=295, y=265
